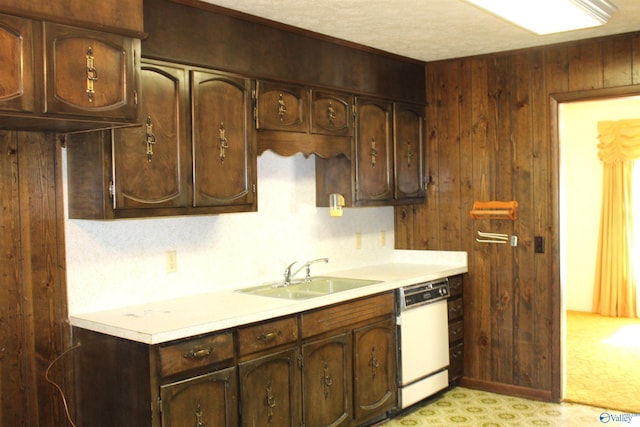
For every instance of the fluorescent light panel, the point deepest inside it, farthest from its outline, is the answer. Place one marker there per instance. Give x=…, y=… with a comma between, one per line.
x=550, y=16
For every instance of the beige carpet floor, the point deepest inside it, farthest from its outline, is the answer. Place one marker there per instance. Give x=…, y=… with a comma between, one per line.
x=603, y=361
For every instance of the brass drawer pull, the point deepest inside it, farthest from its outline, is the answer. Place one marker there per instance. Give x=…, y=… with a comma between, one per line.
x=269, y=336
x=198, y=354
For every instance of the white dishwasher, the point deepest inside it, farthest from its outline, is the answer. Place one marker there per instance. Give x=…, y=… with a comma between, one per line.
x=423, y=338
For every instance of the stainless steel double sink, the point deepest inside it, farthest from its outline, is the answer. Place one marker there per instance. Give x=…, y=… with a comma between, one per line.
x=316, y=287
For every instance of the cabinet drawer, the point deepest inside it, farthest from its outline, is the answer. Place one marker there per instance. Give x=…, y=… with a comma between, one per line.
x=342, y=315
x=455, y=286
x=267, y=335
x=455, y=308
x=195, y=353
x=456, y=360
x=456, y=330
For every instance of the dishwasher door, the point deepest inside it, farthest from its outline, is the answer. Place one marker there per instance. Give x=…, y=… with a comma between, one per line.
x=424, y=341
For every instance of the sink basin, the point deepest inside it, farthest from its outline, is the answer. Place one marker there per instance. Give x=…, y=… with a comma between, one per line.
x=318, y=286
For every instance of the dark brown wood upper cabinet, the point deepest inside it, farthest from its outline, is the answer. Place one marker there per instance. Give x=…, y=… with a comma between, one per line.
x=409, y=146
x=282, y=107
x=223, y=152
x=90, y=72
x=152, y=162
x=194, y=154
x=387, y=167
x=374, y=151
x=17, y=77
x=331, y=113
x=63, y=78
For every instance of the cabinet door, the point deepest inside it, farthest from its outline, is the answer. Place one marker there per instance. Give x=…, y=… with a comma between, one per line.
x=409, y=137
x=270, y=390
x=282, y=107
x=16, y=64
x=223, y=140
x=373, y=151
x=90, y=73
x=207, y=400
x=152, y=162
x=331, y=113
x=327, y=381
x=375, y=369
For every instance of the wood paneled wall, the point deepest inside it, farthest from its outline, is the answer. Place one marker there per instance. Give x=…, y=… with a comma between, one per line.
x=492, y=135
x=33, y=298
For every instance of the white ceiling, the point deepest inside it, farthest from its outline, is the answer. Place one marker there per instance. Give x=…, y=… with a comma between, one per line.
x=426, y=30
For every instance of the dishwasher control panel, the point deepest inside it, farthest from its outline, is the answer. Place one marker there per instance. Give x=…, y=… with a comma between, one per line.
x=423, y=293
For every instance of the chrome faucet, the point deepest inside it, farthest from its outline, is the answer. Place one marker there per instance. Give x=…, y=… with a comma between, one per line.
x=288, y=275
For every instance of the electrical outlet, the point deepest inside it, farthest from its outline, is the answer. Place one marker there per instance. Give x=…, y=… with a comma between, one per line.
x=172, y=262
x=383, y=238
x=358, y=240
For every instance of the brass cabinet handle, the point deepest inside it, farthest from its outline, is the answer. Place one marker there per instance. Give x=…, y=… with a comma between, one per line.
x=269, y=336
x=198, y=354
x=374, y=152
x=373, y=363
x=224, y=143
x=409, y=154
x=199, y=414
x=150, y=138
x=92, y=74
x=269, y=402
x=326, y=380
x=282, y=108
x=331, y=114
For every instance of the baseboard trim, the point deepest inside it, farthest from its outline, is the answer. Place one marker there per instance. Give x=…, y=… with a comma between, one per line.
x=507, y=389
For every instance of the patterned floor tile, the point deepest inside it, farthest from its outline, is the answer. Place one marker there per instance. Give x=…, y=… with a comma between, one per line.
x=466, y=407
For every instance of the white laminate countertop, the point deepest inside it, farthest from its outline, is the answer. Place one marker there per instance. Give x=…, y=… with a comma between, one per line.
x=177, y=318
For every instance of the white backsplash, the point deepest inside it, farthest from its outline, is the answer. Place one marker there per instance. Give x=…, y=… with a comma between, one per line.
x=123, y=262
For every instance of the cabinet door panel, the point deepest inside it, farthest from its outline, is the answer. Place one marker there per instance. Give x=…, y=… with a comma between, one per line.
x=222, y=140
x=409, y=145
x=270, y=390
x=158, y=178
x=282, y=107
x=326, y=381
x=90, y=72
x=16, y=64
x=375, y=369
x=373, y=151
x=331, y=113
x=207, y=400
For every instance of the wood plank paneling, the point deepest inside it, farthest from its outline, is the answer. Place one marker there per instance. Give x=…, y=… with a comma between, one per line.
x=492, y=137
x=33, y=289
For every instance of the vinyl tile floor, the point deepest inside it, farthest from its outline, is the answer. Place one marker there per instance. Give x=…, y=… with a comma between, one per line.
x=466, y=407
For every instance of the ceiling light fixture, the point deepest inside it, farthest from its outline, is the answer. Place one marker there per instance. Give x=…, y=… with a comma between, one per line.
x=551, y=16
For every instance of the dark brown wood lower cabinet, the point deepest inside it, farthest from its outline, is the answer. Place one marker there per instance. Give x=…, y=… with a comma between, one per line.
x=374, y=389
x=206, y=400
x=270, y=390
x=327, y=381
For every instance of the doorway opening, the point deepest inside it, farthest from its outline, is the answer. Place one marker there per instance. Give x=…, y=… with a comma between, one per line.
x=598, y=352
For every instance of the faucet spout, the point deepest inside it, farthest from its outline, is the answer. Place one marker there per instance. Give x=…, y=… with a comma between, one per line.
x=288, y=275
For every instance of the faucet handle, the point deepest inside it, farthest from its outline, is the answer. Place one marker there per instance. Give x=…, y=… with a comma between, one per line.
x=287, y=273
x=308, y=266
